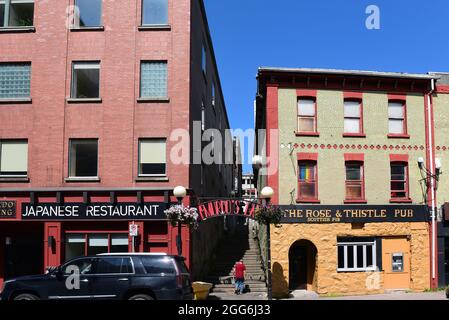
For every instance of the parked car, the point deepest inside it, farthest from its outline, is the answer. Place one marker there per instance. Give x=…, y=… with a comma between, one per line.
x=123, y=276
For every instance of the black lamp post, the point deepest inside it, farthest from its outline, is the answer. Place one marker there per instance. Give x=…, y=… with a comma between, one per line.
x=180, y=193
x=266, y=195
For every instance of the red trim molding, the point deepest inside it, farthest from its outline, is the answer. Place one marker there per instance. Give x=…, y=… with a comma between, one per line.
x=353, y=95
x=398, y=136
x=396, y=96
x=355, y=201
x=307, y=134
x=354, y=135
x=401, y=201
x=306, y=93
x=442, y=88
x=303, y=156
x=354, y=157
x=308, y=201
x=399, y=157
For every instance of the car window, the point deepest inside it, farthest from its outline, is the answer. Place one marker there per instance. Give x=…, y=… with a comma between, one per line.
x=158, y=265
x=182, y=266
x=85, y=266
x=114, y=265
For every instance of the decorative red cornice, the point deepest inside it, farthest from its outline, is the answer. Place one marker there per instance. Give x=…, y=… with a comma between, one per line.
x=354, y=157
x=307, y=156
x=442, y=88
x=399, y=157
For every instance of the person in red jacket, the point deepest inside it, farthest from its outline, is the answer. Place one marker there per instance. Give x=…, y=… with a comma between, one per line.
x=239, y=273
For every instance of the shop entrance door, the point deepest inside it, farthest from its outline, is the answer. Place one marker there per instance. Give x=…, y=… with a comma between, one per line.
x=396, y=262
x=23, y=254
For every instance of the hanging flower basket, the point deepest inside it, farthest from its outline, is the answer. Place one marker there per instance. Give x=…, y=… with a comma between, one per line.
x=269, y=215
x=184, y=215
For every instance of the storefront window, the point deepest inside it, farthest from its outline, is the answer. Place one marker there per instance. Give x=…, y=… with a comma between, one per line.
x=84, y=244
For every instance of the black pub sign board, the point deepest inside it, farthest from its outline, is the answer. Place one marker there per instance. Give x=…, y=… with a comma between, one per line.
x=354, y=213
x=94, y=211
x=7, y=209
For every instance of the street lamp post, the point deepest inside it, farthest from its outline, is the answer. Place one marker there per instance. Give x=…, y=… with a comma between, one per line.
x=266, y=195
x=180, y=193
x=431, y=179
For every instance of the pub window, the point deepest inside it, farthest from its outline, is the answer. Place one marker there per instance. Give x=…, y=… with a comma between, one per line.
x=307, y=115
x=15, y=80
x=88, y=13
x=16, y=13
x=152, y=157
x=399, y=180
x=153, y=79
x=83, y=158
x=154, y=12
x=353, y=116
x=13, y=158
x=85, y=80
x=356, y=255
x=355, y=187
x=308, y=187
x=397, y=124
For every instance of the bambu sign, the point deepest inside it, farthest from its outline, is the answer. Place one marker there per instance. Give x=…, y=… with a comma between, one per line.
x=7, y=209
x=94, y=211
x=229, y=207
x=354, y=213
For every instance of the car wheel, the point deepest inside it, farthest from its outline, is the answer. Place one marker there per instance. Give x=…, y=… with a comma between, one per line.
x=26, y=296
x=141, y=297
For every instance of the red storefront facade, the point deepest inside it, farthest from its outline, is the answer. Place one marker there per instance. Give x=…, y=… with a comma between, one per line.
x=118, y=127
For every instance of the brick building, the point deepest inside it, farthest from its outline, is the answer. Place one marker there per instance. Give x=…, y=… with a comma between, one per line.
x=90, y=93
x=358, y=208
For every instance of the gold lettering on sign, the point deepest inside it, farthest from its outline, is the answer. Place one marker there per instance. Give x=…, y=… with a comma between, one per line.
x=7, y=209
x=403, y=213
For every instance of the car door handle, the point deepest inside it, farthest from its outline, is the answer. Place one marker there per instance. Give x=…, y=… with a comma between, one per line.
x=123, y=279
x=84, y=280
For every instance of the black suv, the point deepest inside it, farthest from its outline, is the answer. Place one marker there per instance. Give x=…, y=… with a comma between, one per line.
x=125, y=276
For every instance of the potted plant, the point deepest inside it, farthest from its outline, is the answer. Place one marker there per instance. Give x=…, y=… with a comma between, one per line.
x=182, y=214
x=268, y=214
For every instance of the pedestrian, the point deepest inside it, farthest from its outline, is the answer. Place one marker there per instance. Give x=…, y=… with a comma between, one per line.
x=239, y=273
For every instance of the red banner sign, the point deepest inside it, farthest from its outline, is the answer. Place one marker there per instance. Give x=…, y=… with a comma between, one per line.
x=231, y=207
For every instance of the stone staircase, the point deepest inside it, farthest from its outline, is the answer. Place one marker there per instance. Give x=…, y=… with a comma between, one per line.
x=235, y=246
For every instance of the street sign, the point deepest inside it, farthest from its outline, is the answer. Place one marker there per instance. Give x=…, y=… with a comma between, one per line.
x=133, y=230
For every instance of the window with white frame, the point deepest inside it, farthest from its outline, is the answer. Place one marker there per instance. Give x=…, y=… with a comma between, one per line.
x=85, y=80
x=356, y=255
x=16, y=13
x=15, y=79
x=13, y=158
x=154, y=12
x=88, y=13
x=353, y=116
x=397, y=123
x=152, y=157
x=153, y=79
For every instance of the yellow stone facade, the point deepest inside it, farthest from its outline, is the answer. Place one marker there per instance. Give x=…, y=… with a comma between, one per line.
x=324, y=236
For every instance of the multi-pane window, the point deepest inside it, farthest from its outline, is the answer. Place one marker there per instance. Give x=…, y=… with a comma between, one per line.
x=356, y=255
x=154, y=12
x=397, y=117
x=354, y=181
x=353, y=116
x=307, y=180
x=306, y=115
x=399, y=180
x=83, y=158
x=16, y=13
x=85, y=80
x=83, y=244
x=13, y=158
x=152, y=157
x=153, y=79
x=15, y=80
x=88, y=13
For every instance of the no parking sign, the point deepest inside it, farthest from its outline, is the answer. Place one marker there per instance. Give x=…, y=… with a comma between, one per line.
x=133, y=230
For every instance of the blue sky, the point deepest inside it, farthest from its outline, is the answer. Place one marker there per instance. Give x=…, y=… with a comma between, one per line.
x=413, y=37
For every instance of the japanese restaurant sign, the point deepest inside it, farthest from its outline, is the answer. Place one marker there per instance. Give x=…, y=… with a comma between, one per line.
x=354, y=213
x=94, y=211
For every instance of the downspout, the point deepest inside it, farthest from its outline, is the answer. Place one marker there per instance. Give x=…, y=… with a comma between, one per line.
x=432, y=179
